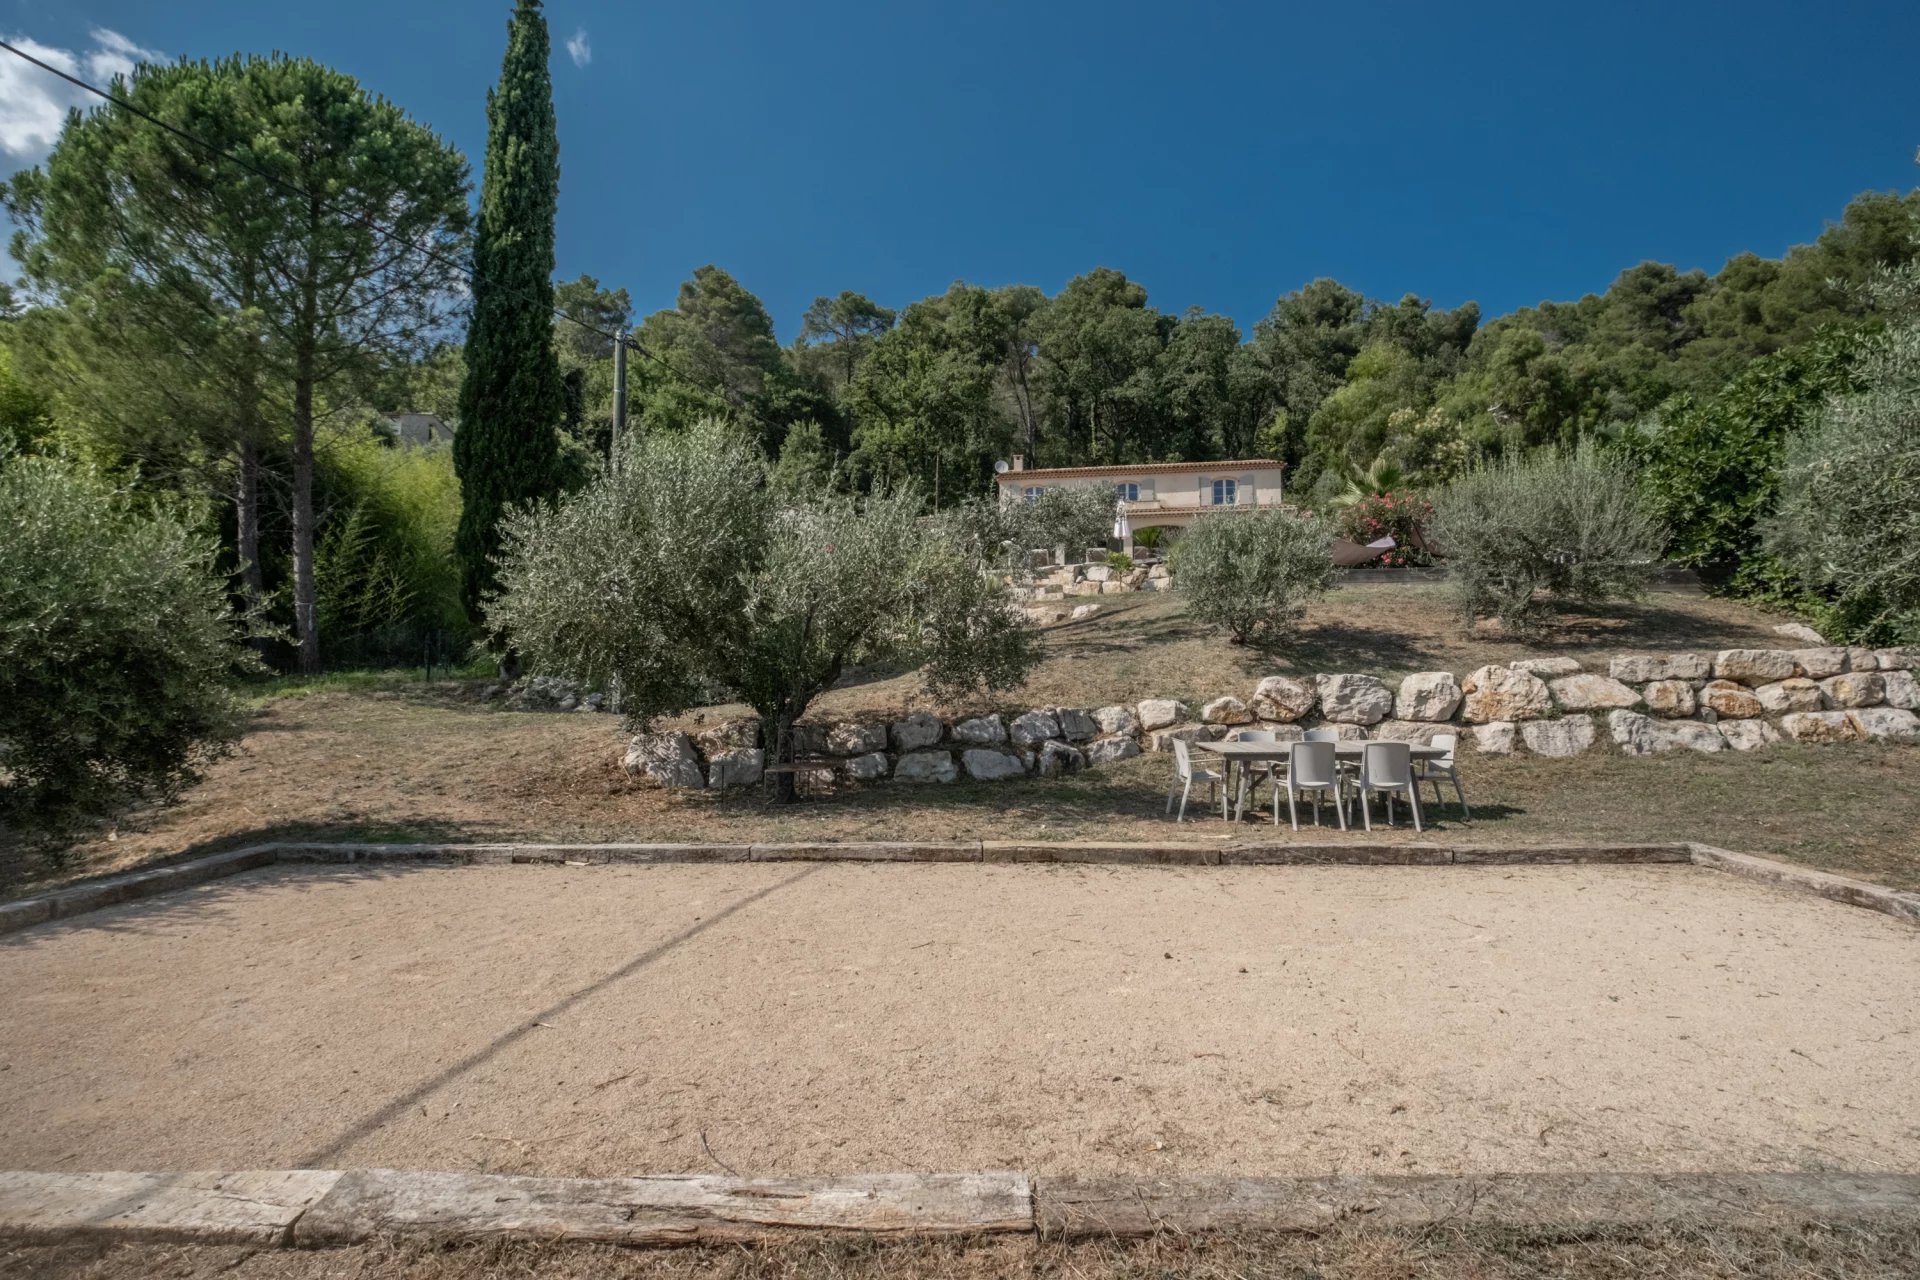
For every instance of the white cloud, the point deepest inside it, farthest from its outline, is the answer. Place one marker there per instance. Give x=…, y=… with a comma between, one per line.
x=115, y=55
x=579, y=49
x=34, y=104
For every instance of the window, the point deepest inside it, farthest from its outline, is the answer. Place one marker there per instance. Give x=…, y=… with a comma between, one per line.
x=1032, y=492
x=1127, y=492
x=1223, y=493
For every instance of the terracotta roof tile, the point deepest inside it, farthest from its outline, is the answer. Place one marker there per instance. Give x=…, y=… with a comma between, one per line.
x=1144, y=468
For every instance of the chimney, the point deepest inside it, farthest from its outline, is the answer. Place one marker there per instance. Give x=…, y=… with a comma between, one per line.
x=1019, y=462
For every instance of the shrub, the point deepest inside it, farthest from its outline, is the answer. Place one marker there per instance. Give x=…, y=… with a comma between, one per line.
x=1253, y=572
x=1400, y=516
x=1711, y=466
x=1120, y=562
x=681, y=573
x=1150, y=539
x=116, y=649
x=1575, y=524
x=1849, y=520
x=388, y=585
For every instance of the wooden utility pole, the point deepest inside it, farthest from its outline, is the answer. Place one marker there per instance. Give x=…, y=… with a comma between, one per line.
x=619, y=390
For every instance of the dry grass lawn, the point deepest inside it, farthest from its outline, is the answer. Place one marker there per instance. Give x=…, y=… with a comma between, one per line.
x=393, y=759
x=1682, y=1251
x=430, y=764
x=1144, y=645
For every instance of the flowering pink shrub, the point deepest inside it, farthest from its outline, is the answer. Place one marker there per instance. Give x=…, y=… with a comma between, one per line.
x=1400, y=516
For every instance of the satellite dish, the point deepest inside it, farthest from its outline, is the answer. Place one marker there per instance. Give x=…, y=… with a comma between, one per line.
x=999, y=468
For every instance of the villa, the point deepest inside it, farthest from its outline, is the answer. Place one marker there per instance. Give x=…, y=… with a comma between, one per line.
x=1166, y=495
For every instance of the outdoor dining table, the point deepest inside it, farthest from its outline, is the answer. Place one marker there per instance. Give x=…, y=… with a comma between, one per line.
x=1238, y=755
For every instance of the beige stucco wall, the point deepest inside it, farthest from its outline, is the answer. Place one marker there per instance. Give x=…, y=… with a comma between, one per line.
x=1166, y=499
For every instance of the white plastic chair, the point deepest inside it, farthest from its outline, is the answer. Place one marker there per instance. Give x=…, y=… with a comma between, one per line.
x=1347, y=767
x=1438, y=767
x=1388, y=767
x=1185, y=775
x=1312, y=767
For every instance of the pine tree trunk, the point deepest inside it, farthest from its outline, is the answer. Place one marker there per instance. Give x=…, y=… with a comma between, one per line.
x=305, y=624
x=246, y=498
x=246, y=520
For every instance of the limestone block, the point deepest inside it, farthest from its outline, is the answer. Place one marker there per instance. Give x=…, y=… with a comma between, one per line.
x=1640, y=735
x=1501, y=693
x=925, y=766
x=1785, y=696
x=1427, y=695
x=989, y=764
x=1034, y=727
x=1227, y=710
x=1671, y=698
x=1730, y=700
x=1753, y=666
x=1593, y=693
x=1109, y=749
x=1353, y=699
x=1158, y=713
x=1496, y=737
x=980, y=731
x=1853, y=689
x=1567, y=736
x=1284, y=698
x=1887, y=722
x=1665, y=666
x=919, y=729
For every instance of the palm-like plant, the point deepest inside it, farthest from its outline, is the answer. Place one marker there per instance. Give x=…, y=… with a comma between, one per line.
x=1382, y=476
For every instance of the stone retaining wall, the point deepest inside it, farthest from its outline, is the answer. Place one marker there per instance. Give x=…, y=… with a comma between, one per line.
x=1054, y=594
x=1734, y=700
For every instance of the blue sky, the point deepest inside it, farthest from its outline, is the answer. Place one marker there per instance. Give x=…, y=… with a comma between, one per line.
x=1220, y=154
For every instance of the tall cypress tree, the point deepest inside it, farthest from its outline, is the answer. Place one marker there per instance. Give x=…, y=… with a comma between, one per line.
x=513, y=398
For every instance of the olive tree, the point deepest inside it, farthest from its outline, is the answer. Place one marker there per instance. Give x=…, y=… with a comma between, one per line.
x=684, y=575
x=1005, y=532
x=1576, y=524
x=1253, y=572
x=1849, y=518
x=1072, y=517
x=117, y=652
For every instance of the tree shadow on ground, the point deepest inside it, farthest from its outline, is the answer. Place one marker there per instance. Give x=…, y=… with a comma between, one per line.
x=1135, y=791
x=1344, y=647
x=23, y=874
x=214, y=900
x=1644, y=624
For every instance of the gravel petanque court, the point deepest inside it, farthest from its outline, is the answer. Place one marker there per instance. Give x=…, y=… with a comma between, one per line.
x=830, y=1018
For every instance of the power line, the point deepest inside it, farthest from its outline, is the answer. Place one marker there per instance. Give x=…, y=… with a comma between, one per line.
x=295, y=189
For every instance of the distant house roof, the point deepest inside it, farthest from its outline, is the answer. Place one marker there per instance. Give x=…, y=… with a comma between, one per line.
x=418, y=428
x=1144, y=468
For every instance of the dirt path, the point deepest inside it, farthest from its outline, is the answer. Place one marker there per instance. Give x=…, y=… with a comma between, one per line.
x=836, y=1018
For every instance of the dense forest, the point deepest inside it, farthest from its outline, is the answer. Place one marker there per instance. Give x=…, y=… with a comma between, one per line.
x=1329, y=380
